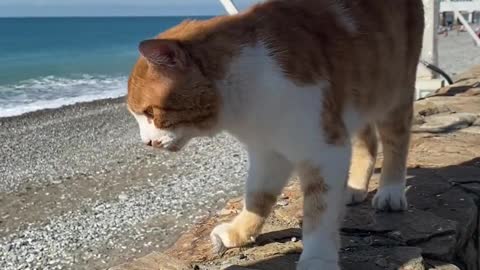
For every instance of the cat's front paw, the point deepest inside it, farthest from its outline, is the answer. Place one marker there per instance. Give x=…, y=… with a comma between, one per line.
x=226, y=236
x=317, y=264
x=390, y=198
x=355, y=196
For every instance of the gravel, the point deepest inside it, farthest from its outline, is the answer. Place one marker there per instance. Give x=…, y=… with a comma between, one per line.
x=79, y=191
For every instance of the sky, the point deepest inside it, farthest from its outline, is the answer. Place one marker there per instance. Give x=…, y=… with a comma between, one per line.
x=42, y=8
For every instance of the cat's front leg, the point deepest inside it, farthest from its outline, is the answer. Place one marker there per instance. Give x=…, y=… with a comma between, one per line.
x=395, y=134
x=267, y=175
x=323, y=181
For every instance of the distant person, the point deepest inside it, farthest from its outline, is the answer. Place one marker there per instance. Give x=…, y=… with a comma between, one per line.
x=450, y=25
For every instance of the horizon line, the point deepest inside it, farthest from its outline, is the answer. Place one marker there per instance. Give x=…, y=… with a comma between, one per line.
x=101, y=16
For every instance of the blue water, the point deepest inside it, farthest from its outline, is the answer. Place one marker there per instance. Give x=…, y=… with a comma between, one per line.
x=49, y=62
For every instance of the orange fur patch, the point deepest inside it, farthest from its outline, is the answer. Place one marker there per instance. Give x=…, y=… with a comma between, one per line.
x=364, y=153
x=314, y=189
x=260, y=203
x=249, y=222
x=367, y=50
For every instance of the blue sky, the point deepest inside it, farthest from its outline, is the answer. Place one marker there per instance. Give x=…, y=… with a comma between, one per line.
x=27, y=8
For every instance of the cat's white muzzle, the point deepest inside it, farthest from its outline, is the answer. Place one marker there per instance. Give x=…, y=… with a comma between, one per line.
x=171, y=140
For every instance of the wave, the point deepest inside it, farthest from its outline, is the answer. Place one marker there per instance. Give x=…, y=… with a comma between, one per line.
x=53, y=92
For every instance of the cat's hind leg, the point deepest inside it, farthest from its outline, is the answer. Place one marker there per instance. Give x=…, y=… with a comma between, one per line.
x=323, y=182
x=267, y=175
x=395, y=135
x=365, y=145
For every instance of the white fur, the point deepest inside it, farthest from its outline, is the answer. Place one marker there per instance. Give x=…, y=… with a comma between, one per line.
x=271, y=114
x=391, y=197
x=263, y=107
x=267, y=172
x=391, y=192
x=168, y=139
x=321, y=245
x=356, y=192
x=317, y=264
x=280, y=122
x=264, y=166
x=219, y=238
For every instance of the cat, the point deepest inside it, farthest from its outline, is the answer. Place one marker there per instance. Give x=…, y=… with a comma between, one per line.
x=305, y=85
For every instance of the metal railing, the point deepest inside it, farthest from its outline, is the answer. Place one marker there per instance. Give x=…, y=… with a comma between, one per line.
x=463, y=21
x=229, y=6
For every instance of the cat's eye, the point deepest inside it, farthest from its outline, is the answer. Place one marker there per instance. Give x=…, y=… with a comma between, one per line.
x=148, y=112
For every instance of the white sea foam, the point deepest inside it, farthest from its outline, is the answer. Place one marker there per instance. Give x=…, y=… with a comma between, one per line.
x=53, y=92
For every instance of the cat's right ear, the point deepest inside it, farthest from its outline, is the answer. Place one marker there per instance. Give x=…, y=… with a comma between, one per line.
x=164, y=53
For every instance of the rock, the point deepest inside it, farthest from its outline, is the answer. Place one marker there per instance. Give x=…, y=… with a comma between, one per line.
x=472, y=129
x=472, y=92
x=477, y=122
x=236, y=267
x=472, y=187
x=404, y=258
x=438, y=265
x=459, y=89
x=157, y=261
x=123, y=197
x=440, y=247
x=426, y=108
x=470, y=255
x=282, y=203
x=466, y=84
x=446, y=122
x=382, y=262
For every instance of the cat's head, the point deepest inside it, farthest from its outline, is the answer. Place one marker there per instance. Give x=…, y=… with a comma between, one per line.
x=169, y=96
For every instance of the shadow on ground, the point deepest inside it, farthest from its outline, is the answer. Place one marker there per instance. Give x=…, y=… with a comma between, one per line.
x=439, y=230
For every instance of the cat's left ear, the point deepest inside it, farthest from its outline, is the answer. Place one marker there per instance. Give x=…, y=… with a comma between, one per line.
x=164, y=53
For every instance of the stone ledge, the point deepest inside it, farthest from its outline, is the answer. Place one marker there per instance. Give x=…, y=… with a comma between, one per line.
x=440, y=230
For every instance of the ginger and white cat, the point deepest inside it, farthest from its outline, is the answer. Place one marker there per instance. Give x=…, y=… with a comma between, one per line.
x=304, y=84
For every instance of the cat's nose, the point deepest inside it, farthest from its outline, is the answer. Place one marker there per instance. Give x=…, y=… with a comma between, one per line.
x=149, y=143
x=157, y=144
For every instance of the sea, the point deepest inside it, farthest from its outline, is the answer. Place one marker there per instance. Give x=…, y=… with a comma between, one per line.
x=51, y=62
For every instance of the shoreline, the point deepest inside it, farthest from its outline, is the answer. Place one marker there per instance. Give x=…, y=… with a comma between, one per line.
x=63, y=108
x=452, y=58
x=78, y=189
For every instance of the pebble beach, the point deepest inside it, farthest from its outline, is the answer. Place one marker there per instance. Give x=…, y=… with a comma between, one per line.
x=78, y=190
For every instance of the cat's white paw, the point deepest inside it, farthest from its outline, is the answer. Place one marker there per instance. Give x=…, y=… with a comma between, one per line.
x=317, y=264
x=390, y=198
x=226, y=236
x=354, y=196
x=220, y=238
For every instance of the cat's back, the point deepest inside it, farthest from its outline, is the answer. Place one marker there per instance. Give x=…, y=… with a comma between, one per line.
x=353, y=17
x=365, y=45
x=342, y=29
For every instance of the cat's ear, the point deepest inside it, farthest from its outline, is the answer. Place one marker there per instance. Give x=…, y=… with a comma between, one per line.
x=164, y=53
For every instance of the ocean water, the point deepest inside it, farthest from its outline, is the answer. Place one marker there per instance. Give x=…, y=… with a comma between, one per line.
x=50, y=62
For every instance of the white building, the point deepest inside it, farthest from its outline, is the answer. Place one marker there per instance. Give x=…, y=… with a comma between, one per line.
x=470, y=9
